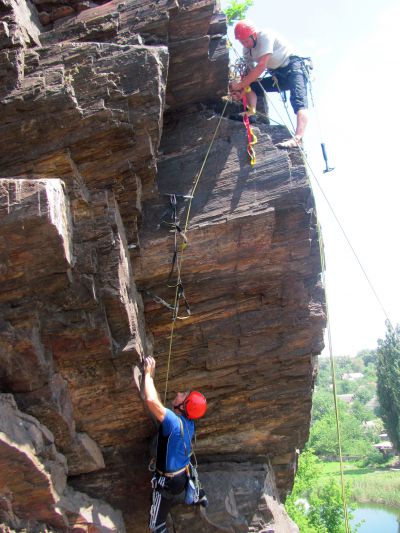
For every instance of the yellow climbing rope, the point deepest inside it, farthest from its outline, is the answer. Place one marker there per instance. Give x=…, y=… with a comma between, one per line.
x=322, y=255
x=334, y=388
x=183, y=246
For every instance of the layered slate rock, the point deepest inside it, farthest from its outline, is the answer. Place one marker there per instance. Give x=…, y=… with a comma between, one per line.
x=192, y=29
x=36, y=283
x=33, y=481
x=83, y=185
x=251, y=273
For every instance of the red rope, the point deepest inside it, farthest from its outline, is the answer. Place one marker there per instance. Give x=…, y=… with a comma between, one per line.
x=251, y=138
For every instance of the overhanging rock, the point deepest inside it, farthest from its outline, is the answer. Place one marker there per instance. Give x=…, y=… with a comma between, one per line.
x=251, y=273
x=84, y=185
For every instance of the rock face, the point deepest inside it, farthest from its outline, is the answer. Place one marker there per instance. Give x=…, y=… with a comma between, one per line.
x=104, y=115
x=33, y=480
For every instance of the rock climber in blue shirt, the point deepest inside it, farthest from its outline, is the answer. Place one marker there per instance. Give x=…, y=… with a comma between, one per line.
x=173, y=446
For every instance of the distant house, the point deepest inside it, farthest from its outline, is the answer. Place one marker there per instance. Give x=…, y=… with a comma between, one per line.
x=384, y=447
x=352, y=376
x=348, y=398
x=370, y=424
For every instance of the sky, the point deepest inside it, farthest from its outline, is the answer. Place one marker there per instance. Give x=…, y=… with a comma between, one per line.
x=354, y=45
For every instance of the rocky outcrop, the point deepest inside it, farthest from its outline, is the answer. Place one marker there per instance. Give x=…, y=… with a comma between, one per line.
x=33, y=481
x=102, y=118
x=251, y=271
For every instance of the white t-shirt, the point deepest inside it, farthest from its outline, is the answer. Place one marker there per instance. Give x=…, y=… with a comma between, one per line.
x=269, y=42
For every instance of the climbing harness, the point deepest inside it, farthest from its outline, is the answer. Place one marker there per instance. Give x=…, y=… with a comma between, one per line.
x=193, y=486
x=240, y=68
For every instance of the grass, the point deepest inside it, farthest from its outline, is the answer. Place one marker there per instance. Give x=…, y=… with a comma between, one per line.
x=369, y=484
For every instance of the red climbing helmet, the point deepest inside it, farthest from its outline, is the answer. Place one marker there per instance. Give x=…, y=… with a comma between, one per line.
x=195, y=405
x=243, y=30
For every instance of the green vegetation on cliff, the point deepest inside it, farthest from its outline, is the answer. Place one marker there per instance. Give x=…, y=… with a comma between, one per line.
x=236, y=10
x=315, y=503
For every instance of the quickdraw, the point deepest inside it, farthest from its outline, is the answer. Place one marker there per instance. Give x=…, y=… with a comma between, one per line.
x=173, y=223
x=251, y=138
x=175, y=310
x=181, y=294
x=170, y=218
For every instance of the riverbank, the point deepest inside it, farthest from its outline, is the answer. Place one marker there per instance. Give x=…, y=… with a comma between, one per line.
x=379, y=485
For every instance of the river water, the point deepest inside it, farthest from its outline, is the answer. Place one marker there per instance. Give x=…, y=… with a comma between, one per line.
x=378, y=519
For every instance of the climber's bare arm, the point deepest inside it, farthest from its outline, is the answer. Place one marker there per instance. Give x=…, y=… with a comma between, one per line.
x=151, y=397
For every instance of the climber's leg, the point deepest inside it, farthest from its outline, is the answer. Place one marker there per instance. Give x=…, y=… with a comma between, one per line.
x=164, y=490
x=160, y=505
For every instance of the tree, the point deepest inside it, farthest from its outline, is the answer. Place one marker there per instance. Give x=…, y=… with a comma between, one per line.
x=388, y=386
x=322, y=404
x=365, y=393
x=368, y=356
x=326, y=508
x=236, y=10
x=316, y=507
x=308, y=473
x=323, y=436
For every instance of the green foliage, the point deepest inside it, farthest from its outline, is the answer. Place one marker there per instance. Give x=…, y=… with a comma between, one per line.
x=322, y=404
x=361, y=411
x=372, y=458
x=315, y=508
x=355, y=440
x=236, y=10
x=373, y=483
x=365, y=393
x=346, y=386
x=343, y=365
x=308, y=471
x=357, y=437
x=298, y=513
x=388, y=387
x=368, y=356
x=326, y=508
x=378, y=487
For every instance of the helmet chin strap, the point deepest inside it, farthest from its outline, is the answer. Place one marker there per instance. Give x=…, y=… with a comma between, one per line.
x=254, y=40
x=179, y=407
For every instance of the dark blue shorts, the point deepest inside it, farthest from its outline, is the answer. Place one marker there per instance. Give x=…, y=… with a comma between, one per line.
x=291, y=78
